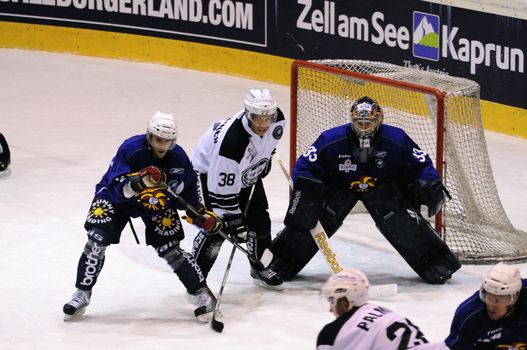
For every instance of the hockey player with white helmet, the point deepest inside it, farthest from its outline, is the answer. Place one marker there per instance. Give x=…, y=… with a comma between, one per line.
x=135, y=185
x=363, y=325
x=231, y=157
x=495, y=317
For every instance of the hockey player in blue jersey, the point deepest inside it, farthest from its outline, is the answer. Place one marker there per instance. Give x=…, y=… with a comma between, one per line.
x=495, y=317
x=135, y=186
x=384, y=168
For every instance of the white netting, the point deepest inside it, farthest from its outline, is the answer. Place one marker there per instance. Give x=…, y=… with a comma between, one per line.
x=475, y=225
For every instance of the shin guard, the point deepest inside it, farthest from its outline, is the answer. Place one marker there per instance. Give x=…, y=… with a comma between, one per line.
x=90, y=265
x=410, y=234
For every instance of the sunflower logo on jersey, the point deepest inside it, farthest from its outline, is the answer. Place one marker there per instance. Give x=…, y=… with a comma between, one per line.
x=153, y=199
x=363, y=184
x=100, y=212
x=167, y=224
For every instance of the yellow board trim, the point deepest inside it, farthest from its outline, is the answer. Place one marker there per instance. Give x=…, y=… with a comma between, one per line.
x=209, y=58
x=169, y=52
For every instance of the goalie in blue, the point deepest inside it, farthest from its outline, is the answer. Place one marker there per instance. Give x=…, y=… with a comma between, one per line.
x=384, y=168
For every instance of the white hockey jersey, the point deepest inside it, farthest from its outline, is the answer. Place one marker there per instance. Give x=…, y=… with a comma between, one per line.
x=373, y=327
x=234, y=157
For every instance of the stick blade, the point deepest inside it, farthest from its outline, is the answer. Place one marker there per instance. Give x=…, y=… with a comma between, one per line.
x=266, y=258
x=216, y=325
x=382, y=290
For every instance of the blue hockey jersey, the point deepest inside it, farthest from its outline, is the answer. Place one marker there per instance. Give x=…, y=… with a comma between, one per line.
x=135, y=154
x=471, y=325
x=395, y=157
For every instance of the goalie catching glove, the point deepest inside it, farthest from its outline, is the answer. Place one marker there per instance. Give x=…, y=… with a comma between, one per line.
x=430, y=193
x=208, y=221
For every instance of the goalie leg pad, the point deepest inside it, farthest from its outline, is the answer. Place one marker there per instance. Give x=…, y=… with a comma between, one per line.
x=292, y=250
x=305, y=205
x=410, y=234
x=337, y=206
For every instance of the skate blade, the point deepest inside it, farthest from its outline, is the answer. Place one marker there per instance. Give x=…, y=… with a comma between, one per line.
x=76, y=315
x=202, y=315
x=204, y=318
x=259, y=283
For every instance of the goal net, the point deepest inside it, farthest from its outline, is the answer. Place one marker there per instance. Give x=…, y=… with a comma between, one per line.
x=442, y=114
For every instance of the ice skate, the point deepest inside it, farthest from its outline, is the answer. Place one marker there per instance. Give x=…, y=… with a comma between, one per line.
x=267, y=279
x=77, y=305
x=205, y=302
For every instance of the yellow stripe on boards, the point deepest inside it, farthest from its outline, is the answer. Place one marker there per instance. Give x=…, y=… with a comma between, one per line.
x=209, y=58
x=169, y=52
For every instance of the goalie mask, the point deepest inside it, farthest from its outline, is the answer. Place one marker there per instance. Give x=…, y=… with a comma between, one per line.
x=351, y=284
x=261, y=110
x=366, y=118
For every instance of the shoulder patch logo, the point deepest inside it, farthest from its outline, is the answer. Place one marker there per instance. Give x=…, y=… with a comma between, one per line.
x=278, y=132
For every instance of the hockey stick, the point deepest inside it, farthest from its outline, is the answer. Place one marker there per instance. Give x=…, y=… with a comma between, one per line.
x=321, y=239
x=214, y=323
x=133, y=230
x=195, y=215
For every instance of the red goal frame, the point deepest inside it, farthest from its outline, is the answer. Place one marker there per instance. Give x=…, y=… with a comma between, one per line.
x=438, y=94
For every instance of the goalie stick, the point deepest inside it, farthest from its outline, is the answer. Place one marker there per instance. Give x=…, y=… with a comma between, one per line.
x=261, y=263
x=321, y=239
x=214, y=323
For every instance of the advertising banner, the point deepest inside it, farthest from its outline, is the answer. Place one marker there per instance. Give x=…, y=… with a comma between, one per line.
x=487, y=48
x=219, y=22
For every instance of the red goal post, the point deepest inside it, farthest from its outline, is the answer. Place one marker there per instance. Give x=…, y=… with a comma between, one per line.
x=442, y=114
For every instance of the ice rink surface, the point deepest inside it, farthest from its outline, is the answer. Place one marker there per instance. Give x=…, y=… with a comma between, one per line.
x=64, y=117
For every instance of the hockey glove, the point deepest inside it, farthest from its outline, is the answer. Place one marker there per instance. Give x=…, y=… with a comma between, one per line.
x=236, y=226
x=430, y=193
x=149, y=177
x=209, y=222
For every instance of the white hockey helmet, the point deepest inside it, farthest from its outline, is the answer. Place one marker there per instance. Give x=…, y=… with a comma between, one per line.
x=351, y=284
x=502, y=279
x=163, y=125
x=260, y=102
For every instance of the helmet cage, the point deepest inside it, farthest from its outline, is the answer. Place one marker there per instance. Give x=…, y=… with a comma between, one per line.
x=366, y=117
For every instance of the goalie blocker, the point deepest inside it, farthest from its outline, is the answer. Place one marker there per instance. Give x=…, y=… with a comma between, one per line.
x=405, y=228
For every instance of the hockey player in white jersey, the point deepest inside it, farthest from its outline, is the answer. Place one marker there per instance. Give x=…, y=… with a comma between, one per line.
x=362, y=325
x=231, y=157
